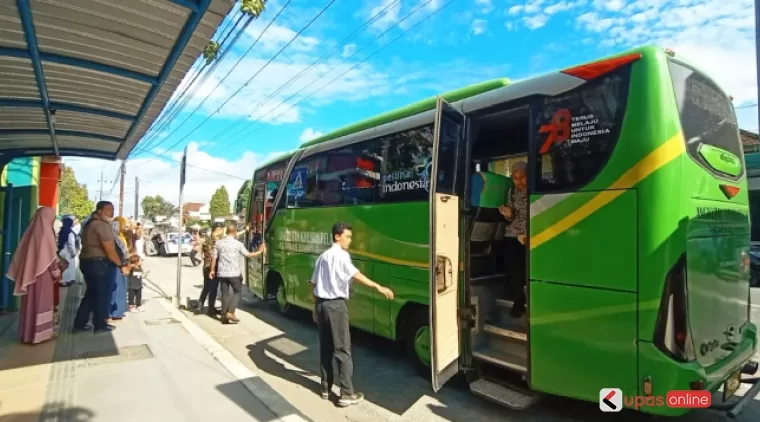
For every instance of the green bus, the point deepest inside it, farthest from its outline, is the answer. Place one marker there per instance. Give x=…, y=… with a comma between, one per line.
x=638, y=265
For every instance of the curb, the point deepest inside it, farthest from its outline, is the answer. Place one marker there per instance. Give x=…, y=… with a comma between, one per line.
x=284, y=411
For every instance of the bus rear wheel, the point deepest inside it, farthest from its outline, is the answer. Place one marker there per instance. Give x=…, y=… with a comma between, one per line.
x=281, y=300
x=417, y=339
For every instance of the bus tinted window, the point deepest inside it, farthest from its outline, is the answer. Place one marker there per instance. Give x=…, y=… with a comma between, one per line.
x=393, y=168
x=577, y=131
x=406, y=157
x=707, y=116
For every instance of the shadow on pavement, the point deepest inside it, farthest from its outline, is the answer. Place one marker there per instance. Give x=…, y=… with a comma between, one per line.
x=383, y=373
x=68, y=346
x=255, y=407
x=53, y=411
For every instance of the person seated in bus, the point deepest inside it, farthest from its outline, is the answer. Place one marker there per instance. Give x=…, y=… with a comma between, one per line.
x=516, y=212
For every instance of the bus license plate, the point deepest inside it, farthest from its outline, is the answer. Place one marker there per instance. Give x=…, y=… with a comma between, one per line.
x=731, y=385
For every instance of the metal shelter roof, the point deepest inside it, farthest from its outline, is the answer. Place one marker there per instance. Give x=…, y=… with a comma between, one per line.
x=88, y=77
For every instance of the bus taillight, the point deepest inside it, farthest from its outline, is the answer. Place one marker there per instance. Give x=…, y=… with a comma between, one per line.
x=729, y=191
x=596, y=69
x=671, y=334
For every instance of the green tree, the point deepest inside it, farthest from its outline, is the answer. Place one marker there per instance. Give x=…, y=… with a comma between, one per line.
x=220, y=203
x=157, y=206
x=243, y=195
x=74, y=199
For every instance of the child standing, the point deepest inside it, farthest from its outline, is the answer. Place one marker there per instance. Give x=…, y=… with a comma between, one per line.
x=134, y=283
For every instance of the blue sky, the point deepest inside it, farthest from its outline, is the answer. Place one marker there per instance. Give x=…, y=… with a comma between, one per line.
x=444, y=45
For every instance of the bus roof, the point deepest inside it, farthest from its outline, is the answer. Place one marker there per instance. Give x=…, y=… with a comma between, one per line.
x=398, y=114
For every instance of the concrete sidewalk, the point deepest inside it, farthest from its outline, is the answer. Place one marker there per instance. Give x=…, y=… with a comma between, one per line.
x=149, y=369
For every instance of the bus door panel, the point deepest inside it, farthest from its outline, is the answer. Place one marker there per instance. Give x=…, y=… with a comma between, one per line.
x=256, y=265
x=444, y=244
x=361, y=302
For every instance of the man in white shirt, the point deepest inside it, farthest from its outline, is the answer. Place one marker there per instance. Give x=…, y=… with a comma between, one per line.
x=331, y=280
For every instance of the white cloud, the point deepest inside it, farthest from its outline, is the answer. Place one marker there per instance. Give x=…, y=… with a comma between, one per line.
x=161, y=177
x=349, y=50
x=262, y=97
x=389, y=16
x=535, y=21
x=277, y=36
x=479, y=26
x=717, y=36
x=308, y=134
x=486, y=6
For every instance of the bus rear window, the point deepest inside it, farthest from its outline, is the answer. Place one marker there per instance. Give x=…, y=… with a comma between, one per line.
x=578, y=130
x=707, y=116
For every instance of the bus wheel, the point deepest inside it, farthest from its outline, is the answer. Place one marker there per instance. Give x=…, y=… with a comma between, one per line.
x=418, y=341
x=281, y=299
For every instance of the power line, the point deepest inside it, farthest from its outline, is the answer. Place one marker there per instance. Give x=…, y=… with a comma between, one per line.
x=342, y=74
x=302, y=72
x=179, y=104
x=162, y=155
x=196, y=167
x=746, y=106
x=250, y=79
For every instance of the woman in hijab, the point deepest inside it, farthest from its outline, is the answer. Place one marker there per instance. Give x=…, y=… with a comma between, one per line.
x=67, y=249
x=516, y=212
x=35, y=270
x=119, y=298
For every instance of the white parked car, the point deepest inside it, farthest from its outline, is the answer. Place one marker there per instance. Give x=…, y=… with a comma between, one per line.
x=168, y=244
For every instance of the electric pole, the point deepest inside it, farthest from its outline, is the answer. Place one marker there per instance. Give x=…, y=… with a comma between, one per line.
x=100, y=192
x=757, y=53
x=137, y=198
x=121, y=187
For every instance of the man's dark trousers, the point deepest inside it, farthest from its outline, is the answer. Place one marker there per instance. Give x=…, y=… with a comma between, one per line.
x=210, y=287
x=98, y=277
x=232, y=290
x=335, y=344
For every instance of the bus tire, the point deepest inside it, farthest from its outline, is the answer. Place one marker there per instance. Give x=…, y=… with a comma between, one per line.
x=417, y=340
x=281, y=301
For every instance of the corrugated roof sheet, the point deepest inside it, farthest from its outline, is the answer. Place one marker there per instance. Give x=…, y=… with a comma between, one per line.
x=97, y=73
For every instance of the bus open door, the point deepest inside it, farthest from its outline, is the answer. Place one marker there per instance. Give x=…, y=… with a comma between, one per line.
x=444, y=243
x=258, y=219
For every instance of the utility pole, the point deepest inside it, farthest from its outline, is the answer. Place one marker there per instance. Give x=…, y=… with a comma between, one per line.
x=100, y=192
x=137, y=198
x=121, y=187
x=757, y=53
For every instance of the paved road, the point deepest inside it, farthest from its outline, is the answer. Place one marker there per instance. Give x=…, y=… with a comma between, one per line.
x=283, y=351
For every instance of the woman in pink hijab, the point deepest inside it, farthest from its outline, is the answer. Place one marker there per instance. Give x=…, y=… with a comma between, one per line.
x=35, y=269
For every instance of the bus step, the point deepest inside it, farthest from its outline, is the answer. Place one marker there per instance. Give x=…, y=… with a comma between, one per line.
x=503, y=359
x=488, y=277
x=503, y=395
x=511, y=332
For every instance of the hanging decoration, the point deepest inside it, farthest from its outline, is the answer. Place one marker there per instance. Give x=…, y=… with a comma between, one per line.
x=252, y=7
x=211, y=51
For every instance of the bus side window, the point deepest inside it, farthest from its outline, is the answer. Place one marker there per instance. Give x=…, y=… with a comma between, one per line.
x=406, y=165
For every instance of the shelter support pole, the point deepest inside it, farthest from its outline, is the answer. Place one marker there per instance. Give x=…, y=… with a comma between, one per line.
x=6, y=285
x=50, y=175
